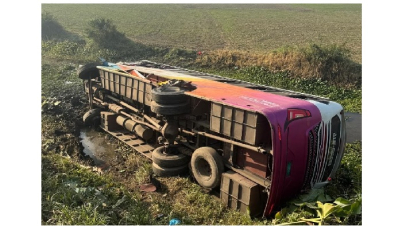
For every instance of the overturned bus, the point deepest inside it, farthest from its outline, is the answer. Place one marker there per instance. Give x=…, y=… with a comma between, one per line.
x=258, y=145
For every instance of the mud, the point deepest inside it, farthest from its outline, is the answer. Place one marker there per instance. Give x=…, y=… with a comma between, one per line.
x=99, y=147
x=62, y=108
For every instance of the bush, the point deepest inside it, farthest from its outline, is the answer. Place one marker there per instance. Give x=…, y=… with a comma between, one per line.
x=332, y=63
x=174, y=55
x=52, y=30
x=328, y=63
x=104, y=34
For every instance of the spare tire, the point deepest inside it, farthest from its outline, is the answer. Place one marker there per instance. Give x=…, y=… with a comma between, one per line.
x=207, y=167
x=169, y=95
x=88, y=71
x=169, y=160
x=169, y=172
x=92, y=117
x=173, y=109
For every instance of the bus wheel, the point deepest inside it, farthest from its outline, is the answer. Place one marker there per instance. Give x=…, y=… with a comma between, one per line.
x=88, y=71
x=92, y=117
x=168, y=160
x=171, y=109
x=207, y=167
x=169, y=95
x=169, y=172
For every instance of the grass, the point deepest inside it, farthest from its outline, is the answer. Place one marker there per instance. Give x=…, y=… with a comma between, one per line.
x=74, y=191
x=72, y=194
x=328, y=62
x=257, y=28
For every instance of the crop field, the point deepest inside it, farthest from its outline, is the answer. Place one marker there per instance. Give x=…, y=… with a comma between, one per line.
x=202, y=27
x=277, y=45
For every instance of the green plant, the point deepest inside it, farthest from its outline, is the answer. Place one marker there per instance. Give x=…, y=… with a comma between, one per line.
x=51, y=29
x=104, y=36
x=332, y=63
x=104, y=33
x=338, y=211
x=175, y=54
x=347, y=185
x=328, y=63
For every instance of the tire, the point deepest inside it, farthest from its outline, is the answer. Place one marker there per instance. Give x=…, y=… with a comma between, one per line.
x=169, y=172
x=88, y=71
x=92, y=117
x=207, y=167
x=169, y=95
x=169, y=160
x=101, y=93
x=173, y=109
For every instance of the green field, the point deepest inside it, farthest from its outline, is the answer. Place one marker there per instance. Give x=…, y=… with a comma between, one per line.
x=239, y=41
x=257, y=28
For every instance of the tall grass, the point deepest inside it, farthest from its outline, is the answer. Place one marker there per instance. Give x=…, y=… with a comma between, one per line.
x=72, y=194
x=330, y=63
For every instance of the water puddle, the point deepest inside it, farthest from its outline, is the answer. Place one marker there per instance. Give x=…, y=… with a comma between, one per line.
x=353, y=127
x=98, y=146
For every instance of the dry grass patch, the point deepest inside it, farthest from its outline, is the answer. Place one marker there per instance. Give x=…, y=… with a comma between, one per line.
x=330, y=63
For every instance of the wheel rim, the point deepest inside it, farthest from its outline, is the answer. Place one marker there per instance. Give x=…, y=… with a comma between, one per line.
x=170, y=89
x=203, y=168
